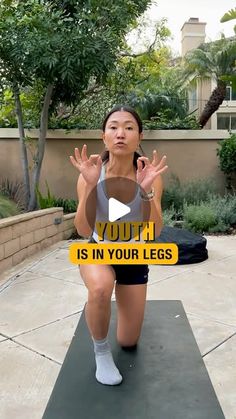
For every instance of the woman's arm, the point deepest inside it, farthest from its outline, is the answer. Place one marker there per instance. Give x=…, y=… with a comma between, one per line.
x=90, y=169
x=149, y=178
x=86, y=210
x=153, y=207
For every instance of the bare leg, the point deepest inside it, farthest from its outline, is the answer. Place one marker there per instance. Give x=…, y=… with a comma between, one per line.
x=99, y=280
x=131, y=301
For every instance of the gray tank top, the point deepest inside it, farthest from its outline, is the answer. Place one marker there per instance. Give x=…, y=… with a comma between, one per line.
x=102, y=209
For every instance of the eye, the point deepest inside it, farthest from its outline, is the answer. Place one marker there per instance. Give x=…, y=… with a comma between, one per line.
x=130, y=128
x=113, y=127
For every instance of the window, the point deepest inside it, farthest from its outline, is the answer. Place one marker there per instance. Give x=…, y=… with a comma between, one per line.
x=192, y=98
x=226, y=121
x=230, y=93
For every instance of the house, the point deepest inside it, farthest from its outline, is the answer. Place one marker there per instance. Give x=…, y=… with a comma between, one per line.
x=193, y=34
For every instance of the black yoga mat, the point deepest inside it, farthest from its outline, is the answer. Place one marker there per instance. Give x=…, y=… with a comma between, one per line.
x=165, y=378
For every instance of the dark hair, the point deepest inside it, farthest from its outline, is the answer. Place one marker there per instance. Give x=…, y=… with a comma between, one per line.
x=123, y=108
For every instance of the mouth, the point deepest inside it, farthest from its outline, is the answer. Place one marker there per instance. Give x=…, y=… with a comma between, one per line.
x=120, y=143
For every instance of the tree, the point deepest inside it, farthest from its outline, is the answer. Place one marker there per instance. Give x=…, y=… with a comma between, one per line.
x=146, y=82
x=227, y=157
x=214, y=60
x=63, y=45
x=132, y=72
x=161, y=97
x=230, y=15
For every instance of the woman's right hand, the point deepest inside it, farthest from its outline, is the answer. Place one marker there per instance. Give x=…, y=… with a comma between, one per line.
x=90, y=168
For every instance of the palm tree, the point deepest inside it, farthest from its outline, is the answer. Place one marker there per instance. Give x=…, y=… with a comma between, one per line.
x=213, y=60
x=160, y=96
x=230, y=15
x=152, y=104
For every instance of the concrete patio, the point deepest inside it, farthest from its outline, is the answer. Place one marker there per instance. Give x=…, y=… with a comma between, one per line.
x=42, y=299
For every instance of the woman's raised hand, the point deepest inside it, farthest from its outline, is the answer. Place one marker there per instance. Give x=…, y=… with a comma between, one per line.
x=146, y=175
x=90, y=168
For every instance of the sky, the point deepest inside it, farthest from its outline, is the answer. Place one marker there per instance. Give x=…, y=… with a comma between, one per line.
x=179, y=11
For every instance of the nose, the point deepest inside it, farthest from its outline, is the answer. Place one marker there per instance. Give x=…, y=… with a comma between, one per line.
x=120, y=133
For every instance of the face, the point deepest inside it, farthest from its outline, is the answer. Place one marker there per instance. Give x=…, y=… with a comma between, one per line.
x=121, y=134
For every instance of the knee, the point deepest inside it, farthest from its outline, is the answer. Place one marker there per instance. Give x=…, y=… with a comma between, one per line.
x=128, y=344
x=130, y=348
x=99, y=294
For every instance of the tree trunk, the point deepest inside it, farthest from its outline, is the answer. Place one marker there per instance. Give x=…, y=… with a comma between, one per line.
x=24, y=156
x=40, y=147
x=215, y=100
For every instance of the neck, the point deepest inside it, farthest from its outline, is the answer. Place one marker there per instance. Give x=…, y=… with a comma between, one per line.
x=117, y=167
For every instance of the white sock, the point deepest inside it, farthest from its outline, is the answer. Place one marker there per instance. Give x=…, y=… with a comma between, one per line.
x=106, y=372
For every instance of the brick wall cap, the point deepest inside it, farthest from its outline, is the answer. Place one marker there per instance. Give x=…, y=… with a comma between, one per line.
x=9, y=221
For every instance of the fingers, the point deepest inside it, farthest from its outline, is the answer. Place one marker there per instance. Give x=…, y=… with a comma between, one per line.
x=76, y=161
x=79, y=158
x=154, y=163
x=84, y=153
x=157, y=168
x=139, y=166
x=145, y=160
x=83, y=156
x=77, y=155
x=162, y=170
x=94, y=158
x=99, y=162
x=155, y=159
x=161, y=164
x=73, y=161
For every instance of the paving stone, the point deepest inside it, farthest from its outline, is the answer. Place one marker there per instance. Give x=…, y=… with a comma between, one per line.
x=201, y=294
x=52, y=340
x=33, y=303
x=209, y=333
x=27, y=379
x=221, y=365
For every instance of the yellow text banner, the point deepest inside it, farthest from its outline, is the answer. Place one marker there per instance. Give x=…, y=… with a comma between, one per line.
x=124, y=253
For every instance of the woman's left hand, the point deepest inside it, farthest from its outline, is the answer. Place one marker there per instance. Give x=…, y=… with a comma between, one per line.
x=146, y=175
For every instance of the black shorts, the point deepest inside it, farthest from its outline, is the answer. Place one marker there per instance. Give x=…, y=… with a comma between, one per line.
x=129, y=274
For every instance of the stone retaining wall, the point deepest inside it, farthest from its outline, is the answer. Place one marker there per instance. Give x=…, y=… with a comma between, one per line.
x=25, y=234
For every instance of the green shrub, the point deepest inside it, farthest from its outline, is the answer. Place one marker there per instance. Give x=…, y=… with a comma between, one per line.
x=172, y=196
x=162, y=122
x=199, y=190
x=50, y=201
x=45, y=201
x=14, y=190
x=176, y=195
x=199, y=218
x=8, y=208
x=69, y=205
x=225, y=210
x=216, y=215
x=227, y=156
x=169, y=217
x=220, y=227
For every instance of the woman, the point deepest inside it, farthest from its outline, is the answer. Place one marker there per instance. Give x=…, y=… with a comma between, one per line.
x=122, y=134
